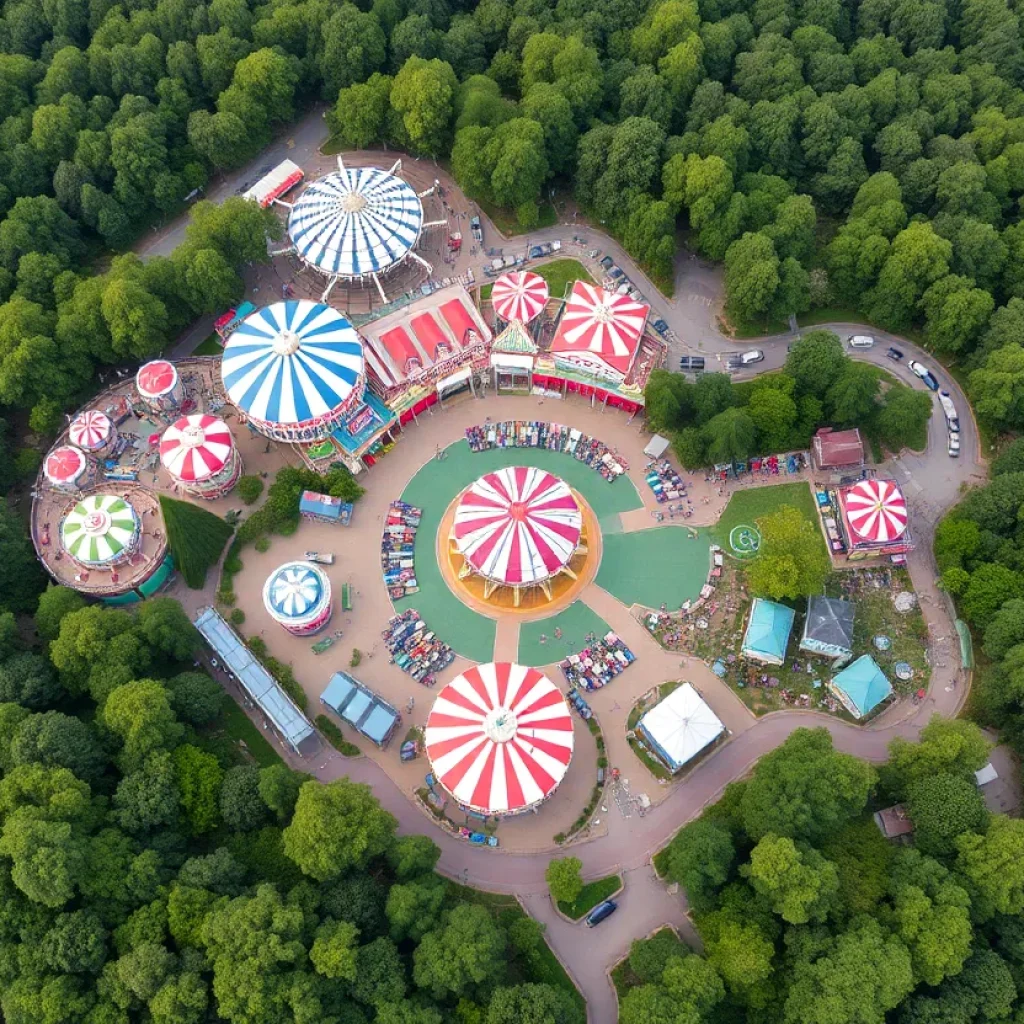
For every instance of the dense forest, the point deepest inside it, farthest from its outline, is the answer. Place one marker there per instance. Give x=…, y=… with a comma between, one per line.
x=152, y=871
x=809, y=916
x=713, y=420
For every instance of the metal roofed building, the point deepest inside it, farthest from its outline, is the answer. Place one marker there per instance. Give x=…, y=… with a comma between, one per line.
x=371, y=716
x=283, y=713
x=828, y=628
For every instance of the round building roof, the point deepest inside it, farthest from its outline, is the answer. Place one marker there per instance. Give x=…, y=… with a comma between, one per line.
x=500, y=738
x=90, y=429
x=99, y=529
x=156, y=378
x=520, y=295
x=64, y=465
x=292, y=362
x=196, y=447
x=876, y=510
x=296, y=593
x=356, y=221
x=517, y=525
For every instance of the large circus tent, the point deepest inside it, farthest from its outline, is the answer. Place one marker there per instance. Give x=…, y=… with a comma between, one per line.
x=599, y=332
x=517, y=527
x=358, y=222
x=295, y=370
x=875, y=518
x=520, y=295
x=499, y=738
x=199, y=453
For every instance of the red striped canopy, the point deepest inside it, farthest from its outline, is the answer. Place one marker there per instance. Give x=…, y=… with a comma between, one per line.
x=518, y=525
x=90, y=429
x=599, y=327
x=519, y=295
x=196, y=447
x=500, y=738
x=876, y=510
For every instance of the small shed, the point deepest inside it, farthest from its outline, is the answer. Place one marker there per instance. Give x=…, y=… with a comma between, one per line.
x=370, y=715
x=837, y=449
x=894, y=823
x=861, y=686
x=767, y=633
x=678, y=728
x=324, y=508
x=828, y=629
x=656, y=447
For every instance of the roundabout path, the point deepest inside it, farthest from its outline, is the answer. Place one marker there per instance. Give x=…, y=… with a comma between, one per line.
x=932, y=482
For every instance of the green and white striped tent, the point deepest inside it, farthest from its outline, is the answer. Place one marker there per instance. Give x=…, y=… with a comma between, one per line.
x=101, y=529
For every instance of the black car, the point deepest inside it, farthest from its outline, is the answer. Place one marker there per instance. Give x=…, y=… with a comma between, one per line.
x=691, y=364
x=601, y=912
x=894, y=353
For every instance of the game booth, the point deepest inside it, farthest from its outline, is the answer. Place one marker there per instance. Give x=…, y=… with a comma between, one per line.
x=873, y=521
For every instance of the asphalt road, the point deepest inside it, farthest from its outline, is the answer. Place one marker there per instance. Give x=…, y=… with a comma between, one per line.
x=932, y=482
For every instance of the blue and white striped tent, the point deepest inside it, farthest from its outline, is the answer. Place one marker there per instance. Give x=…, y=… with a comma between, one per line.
x=293, y=364
x=356, y=221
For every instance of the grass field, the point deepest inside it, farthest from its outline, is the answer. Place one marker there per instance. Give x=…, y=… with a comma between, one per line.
x=747, y=506
x=667, y=565
x=209, y=346
x=558, y=273
x=590, y=895
x=196, y=538
x=575, y=622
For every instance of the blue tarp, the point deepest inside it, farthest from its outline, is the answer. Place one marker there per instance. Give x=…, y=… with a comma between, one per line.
x=861, y=686
x=768, y=631
x=370, y=715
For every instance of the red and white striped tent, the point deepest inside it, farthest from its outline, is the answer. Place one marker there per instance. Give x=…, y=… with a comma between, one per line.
x=500, y=738
x=66, y=468
x=197, y=447
x=91, y=430
x=518, y=526
x=599, y=332
x=876, y=511
x=519, y=295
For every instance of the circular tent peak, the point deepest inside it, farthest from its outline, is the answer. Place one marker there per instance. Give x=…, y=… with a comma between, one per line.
x=91, y=430
x=519, y=295
x=298, y=596
x=199, y=452
x=500, y=738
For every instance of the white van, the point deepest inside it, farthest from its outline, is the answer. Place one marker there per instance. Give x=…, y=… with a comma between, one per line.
x=949, y=411
x=861, y=341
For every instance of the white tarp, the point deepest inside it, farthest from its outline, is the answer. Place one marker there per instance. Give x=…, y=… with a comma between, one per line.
x=656, y=447
x=681, y=726
x=986, y=775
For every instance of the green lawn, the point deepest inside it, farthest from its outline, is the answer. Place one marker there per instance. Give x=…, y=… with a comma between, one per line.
x=485, y=292
x=590, y=895
x=505, y=220
x=196, y=538
x=747, y=506
x=209, y=346
x=559, y=273
x=667, y=565
x=575, y=622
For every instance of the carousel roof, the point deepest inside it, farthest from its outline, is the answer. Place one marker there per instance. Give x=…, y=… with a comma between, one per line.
x=356, y=221
x=90, y=429
x=296, y=591
x=64, y=465
x=602, y=325
x=500, y=737
x=156, y=378
x=876, y=511
x=292, y=362
x=196, y=447
x=517, y=525
x=99, y=529
x=520, y=295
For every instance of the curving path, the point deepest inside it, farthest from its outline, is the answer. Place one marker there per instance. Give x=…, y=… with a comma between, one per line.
x=932, y=482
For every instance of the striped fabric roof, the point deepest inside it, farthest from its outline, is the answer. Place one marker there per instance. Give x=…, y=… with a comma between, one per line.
x=876, y=510
x=356, y=221
x=196, y=447
x=500, y=738
x=99, y=529
x=598, y=325
x=296, y=592
x=292, y=362
x=90, y=429
x=519, y=295
x=64, y=465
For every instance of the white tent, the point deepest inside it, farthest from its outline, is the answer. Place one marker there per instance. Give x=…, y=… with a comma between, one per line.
x=680, y=727
x=985, y=775
x=656, y=447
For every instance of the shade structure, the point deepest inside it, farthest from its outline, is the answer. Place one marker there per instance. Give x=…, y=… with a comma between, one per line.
x=66, y=468
x=159, y=385
x=500, y=738
x=680, y=727
x=102, y=529
x=517, y=526
x=200, y=454
x=599, y=332
x=295, y=369
x=519, y=296
x=91, y=430
x=356, y=221
x=298, y=596
x=767, y=633
x=876, y=511
x=861, y=686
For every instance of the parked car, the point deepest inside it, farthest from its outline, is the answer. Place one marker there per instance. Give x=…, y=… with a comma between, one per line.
x=478, y=231
x=953, y=446
x=861, y=341
x=691, y=364
x=755, y=355
x=535, y=252
x=926, y=375
x=660, y=326
x=601, y=912
x=615, y=273
x=547, y=248
x=894, y=353
x=607, y=262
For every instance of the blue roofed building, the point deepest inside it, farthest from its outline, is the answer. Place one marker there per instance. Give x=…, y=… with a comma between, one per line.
x=371, y=716
x=861, y=686
x=767, y=633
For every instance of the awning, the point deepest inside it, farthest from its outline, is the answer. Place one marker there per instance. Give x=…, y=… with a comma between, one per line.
x=453, y=380
x=511, y=361
x=656, y=447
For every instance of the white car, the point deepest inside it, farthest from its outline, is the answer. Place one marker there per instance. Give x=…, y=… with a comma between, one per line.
x=861, y=341
x=922, y=371
x=954, y=445
x=755, y=355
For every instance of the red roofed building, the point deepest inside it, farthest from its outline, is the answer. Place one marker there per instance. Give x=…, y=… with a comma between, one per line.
x=838, y=449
